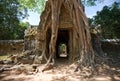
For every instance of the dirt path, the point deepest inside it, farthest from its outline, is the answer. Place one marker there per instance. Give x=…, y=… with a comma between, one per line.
x=63, y=71
x=59, y=73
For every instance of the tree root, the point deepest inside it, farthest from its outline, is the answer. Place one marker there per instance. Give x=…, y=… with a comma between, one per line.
x=39, y=59
x=48, y=67
x=43, y=56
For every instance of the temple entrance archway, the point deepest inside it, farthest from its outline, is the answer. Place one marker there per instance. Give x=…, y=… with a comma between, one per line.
x=62, y=44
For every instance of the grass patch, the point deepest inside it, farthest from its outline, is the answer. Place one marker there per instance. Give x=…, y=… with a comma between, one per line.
x=4, y=57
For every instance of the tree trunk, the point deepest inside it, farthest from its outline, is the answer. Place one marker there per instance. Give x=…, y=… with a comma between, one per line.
x=79, y=20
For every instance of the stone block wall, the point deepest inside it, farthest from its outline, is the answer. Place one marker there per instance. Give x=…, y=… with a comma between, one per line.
x=11, y=46
x=111, y=47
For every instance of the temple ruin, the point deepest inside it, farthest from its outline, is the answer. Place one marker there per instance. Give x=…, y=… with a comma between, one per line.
x=62, y=23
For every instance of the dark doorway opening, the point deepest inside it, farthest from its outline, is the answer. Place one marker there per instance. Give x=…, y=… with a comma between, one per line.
x=48, y=37
x=62, y=44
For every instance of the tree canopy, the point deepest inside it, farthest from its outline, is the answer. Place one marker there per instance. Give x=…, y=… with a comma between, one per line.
x=10, y=16
x=34, y=5
x=109, y=20
x=38, y=5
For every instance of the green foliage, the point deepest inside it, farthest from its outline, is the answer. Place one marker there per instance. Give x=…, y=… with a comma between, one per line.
x=91, y=2
x=34, y=5
x=109, y=20
x=62, y=47
x=10, y=16
x=21, y=29
x=90, y=21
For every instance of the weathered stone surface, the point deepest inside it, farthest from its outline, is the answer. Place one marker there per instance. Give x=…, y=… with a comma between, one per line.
x=11, y=46
x=32, y=31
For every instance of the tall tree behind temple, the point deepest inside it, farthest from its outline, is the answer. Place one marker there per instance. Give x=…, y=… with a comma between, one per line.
x=10, y=16
x=109, y=20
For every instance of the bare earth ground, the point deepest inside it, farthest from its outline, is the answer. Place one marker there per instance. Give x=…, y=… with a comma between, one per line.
x=61, y=72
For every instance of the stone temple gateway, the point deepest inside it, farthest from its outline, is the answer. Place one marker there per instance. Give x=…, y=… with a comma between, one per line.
x=66, y=33
x=62, y=22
